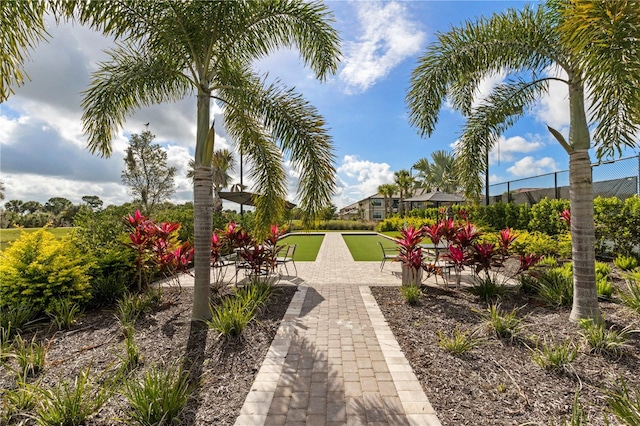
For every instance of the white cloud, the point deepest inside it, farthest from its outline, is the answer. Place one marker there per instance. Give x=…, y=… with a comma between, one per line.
x=388, y=37
x=506, y=148
x=485, y=87
x=553, y=107
x=358, y=179
x=528, y=166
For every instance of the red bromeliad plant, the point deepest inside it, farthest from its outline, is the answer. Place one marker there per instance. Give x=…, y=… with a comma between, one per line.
x=505, y=238
x=410, y=253
x=458, y=257
x=484, y=256
x=527, y=261
x=466, y=235
x=565, y=216
x=448, y=230
x=155, y=247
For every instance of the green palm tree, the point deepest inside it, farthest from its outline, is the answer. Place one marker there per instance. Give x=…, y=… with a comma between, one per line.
x=222, y=163
x=526, y=43
x=177, y=49
x=405, y=183
x=438, y=174
x=387, y=190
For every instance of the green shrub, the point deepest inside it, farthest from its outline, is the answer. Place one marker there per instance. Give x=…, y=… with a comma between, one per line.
x=555, y=287
x=604, y=288
x=545, y=216
x=14, y=319
x=505, y=325
x=411, y=294
x=605, y=341
x=231, y=317
x=30, y=356
x=554, y=356
x=632, y=299
x=108, y=290
x=38, y=269
x=132, y=357
x=256, y=295
x=459, y=342
x=565, y=245
x=158, y=397
x=528, y=284
x=71, y=405
x=624, y=403
x=398, y=223
x=535, y=243
x=18, y=403
x=617, y=225
x=625, y=263
x=603, y=270
x=133, y=306
x=63, y=313
x=488, y=290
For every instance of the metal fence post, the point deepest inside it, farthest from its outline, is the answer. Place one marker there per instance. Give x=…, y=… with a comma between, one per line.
x=508, y=192
x=555, y=185
x=638, y=181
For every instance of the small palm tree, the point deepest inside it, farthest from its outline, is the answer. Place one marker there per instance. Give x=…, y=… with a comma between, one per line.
x=439, y=174
x=405, y=183
x=387, y=190
x=594, y=43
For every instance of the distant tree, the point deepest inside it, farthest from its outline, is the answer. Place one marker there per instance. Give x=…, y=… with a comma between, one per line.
x=93, y=201
x=387, y=190
x=439, y=174
x=32, y=207
x=57, y=205
x=146, y=174
x=14, y=206
x=405, y=182
x=328, y=212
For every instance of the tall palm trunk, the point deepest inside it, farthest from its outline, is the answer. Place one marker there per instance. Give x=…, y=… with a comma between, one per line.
x=585, y=296
x=203, y=214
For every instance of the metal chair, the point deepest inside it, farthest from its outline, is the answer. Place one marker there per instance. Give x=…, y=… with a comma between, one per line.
x=386, y=256
x=288, y=258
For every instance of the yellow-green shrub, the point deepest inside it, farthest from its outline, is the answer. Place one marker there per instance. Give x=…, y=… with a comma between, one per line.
x=535, y=243
x=397, y=223
x=38, y=269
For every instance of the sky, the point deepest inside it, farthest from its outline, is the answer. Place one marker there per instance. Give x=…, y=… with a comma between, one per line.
x=43, y=150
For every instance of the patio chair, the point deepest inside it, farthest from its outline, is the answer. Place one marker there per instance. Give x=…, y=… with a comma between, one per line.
x=288, y=258
x=386, y=255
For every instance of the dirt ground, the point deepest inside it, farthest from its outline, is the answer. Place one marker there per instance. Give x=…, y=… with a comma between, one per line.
x=498, y=383
x=225, y=370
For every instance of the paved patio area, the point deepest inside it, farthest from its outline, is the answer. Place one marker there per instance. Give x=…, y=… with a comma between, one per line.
x=334, y=360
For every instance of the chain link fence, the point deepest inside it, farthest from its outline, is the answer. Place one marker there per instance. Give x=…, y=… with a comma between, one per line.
x=616, y=178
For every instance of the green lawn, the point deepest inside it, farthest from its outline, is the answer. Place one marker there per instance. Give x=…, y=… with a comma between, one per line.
x=365, y=248
x=9, y=235
x=307, y=246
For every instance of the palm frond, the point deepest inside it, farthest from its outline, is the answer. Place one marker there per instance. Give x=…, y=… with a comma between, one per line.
x=454, y=66
x=603, y=36
x=507, y=102
x=130, y=80
x=21, y=28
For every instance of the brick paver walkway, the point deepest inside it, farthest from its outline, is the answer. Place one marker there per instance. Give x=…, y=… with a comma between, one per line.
x=334, y=360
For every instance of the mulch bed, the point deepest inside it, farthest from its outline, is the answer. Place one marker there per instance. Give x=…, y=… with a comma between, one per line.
x=498, y=383
x=226, y=370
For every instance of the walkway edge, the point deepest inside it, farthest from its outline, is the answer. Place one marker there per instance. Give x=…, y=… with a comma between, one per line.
x=414, y=401
x=256, y=404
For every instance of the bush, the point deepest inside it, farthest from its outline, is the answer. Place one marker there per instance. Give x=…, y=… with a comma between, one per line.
x=398, y=223
x=617, y=225
x=63, y=313
x=14, y=319
x=108, y=290
x=411, y=294
x=459, y=342
x=488, y=290
x=71, y=405
x=605, y=341
x=545, y=216
x=18, y=403
x=555, y=287
x=603, y=270
x=158, y=397
x=632, y=299
x=30, y=356
x=505, y=325
x=535, y=243
x=554, y=356
x=626, y=263
x=624, y=403
x=231, y=317
x=256, y=295
x=133, y=306
x=604, y=288
x=38, y=269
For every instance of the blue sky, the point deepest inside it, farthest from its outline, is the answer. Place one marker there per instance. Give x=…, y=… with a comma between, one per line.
x=43, y=151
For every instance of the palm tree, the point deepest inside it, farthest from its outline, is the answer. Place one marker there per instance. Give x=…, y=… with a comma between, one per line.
x=527, y=43
x=387, y=190
x=222, y=163
x=177, y=49
x=404, y=182
x=439, y=174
